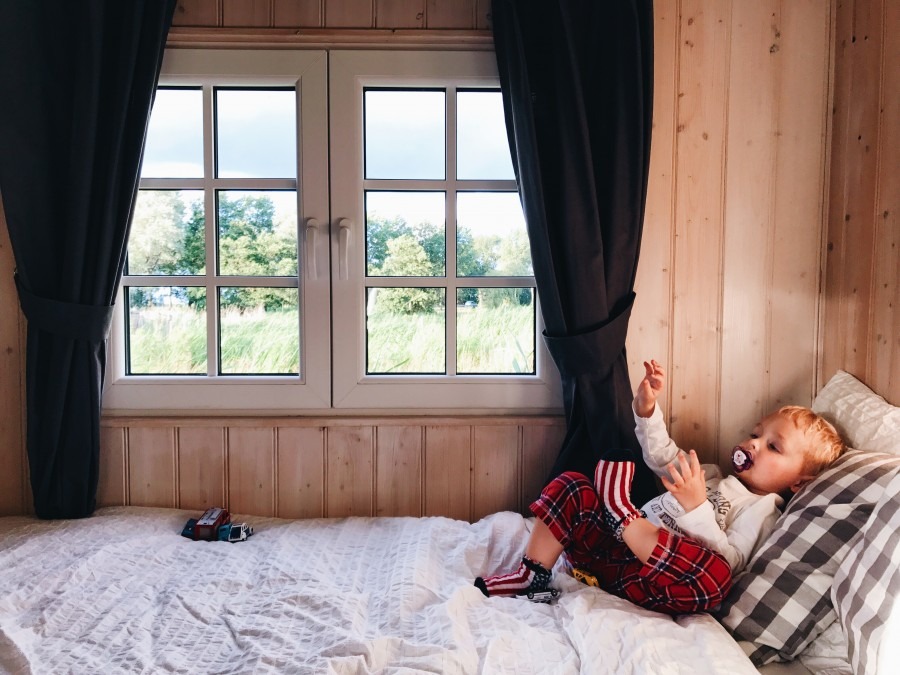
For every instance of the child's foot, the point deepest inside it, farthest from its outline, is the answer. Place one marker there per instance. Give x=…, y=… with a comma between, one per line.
x=612, y=479
x=531, y=577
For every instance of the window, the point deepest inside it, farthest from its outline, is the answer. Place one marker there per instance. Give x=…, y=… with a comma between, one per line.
x=319, y=231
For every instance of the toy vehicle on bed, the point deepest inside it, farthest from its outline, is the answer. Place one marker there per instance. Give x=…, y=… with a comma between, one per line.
x=215, y=525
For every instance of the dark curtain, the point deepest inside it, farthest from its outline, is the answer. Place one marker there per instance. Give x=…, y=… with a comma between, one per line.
x=77, y=80
x=577, y=83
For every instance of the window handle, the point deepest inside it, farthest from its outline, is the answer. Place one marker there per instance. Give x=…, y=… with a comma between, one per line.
x=344, y=225
x=312, y=237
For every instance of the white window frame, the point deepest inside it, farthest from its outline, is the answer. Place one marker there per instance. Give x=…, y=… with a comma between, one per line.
x=306, y=71
x=330, y=188
x=350, y=73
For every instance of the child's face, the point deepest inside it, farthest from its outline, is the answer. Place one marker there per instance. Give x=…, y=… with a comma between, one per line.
x=777, y=450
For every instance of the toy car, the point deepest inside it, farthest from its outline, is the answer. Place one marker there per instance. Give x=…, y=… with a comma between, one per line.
x=235, y=532
x=208, y=525
x=543, y=596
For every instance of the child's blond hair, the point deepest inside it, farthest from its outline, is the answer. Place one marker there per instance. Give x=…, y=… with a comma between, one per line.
x=826, y=445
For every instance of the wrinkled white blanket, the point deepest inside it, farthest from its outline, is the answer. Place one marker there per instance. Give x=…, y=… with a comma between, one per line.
x=123, y=592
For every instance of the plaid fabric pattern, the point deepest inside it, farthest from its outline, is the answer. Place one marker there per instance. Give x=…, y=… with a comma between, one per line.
x=782, y=601
x=681, y=576
x=867, y=582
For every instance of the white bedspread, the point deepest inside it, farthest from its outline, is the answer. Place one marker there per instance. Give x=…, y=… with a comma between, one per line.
x=124, y=592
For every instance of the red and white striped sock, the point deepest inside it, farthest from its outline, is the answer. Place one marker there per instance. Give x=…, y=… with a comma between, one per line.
x=613, y=482
x=530, y=576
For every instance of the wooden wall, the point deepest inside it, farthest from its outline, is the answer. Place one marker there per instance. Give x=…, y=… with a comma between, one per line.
x=751, y=168
x=329, y=467
x=335, y=14
x=862, y=289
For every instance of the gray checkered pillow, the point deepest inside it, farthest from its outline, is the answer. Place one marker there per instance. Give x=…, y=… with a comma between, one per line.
x=867, y=586
x=782, y=600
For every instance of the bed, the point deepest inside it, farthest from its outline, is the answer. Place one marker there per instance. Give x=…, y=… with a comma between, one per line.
x=123, y=592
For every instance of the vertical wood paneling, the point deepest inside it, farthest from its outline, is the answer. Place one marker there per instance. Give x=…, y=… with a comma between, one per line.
x=349, y=13
x=204, y=13
x=113, y=474
x=860, y=182
x=799, y=200
x=448, y=471
x=246, y=13
x=444, y=14
x=297, y=13
x=861, y=326
x=12, y=403
x=398, y=471
x=496, y=478
x=349, y=472
x=301, y=473
x=835, y=341
x=648, y=329
x=399, y=13
x=251, y=470
x=483, y=15
x=201, y=467
x=747, y=265
x=540, y=446
x=694, y=370
x=151, y=466
x=884, y=335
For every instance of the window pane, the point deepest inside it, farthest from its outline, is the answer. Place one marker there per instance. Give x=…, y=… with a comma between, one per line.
x=174, y=146
x=167, y=233
x=405, y=234
x=258, y=233
x=166, y=330
x=482, y=148
x=259, y=331
x=404, y=134
x=495, y=330
x=256, y=133
x=405, y=330
x=491, y=239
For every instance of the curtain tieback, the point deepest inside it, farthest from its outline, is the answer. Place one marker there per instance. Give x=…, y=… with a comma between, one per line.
x=68, y=319
x=594, y=351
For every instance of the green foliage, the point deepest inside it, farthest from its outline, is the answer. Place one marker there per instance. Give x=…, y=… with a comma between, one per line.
x=168, y=237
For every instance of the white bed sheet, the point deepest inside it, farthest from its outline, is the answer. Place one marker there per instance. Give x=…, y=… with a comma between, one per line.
x=124, y=592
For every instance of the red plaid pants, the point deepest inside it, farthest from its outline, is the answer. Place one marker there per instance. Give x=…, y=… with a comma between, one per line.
x=680, y=577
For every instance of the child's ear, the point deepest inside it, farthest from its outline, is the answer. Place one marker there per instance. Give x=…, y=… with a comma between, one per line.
x=803, y=480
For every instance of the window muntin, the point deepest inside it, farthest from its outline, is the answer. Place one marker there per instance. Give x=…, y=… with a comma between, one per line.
x=255, y=237
x=408, y=328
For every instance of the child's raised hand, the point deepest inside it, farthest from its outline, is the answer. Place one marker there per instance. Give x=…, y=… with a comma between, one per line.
x=649, y=388
x=688, y=481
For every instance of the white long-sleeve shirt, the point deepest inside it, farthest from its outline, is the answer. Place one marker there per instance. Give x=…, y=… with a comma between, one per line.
x=732, y=521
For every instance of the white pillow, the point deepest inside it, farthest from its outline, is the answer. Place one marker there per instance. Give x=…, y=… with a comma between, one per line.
x=863, y=418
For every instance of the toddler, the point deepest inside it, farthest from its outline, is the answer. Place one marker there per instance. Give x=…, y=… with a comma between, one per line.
x=677, y=554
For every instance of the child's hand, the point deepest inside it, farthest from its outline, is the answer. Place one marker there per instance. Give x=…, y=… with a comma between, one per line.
x=688, y=481
x=649, y=389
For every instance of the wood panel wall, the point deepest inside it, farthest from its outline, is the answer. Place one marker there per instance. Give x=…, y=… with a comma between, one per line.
x=862, y=290
x=464, y=15
x=461, y=468
x=754, y=173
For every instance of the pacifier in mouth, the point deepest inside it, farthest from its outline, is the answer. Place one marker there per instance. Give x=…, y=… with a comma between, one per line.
x=740, y=460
